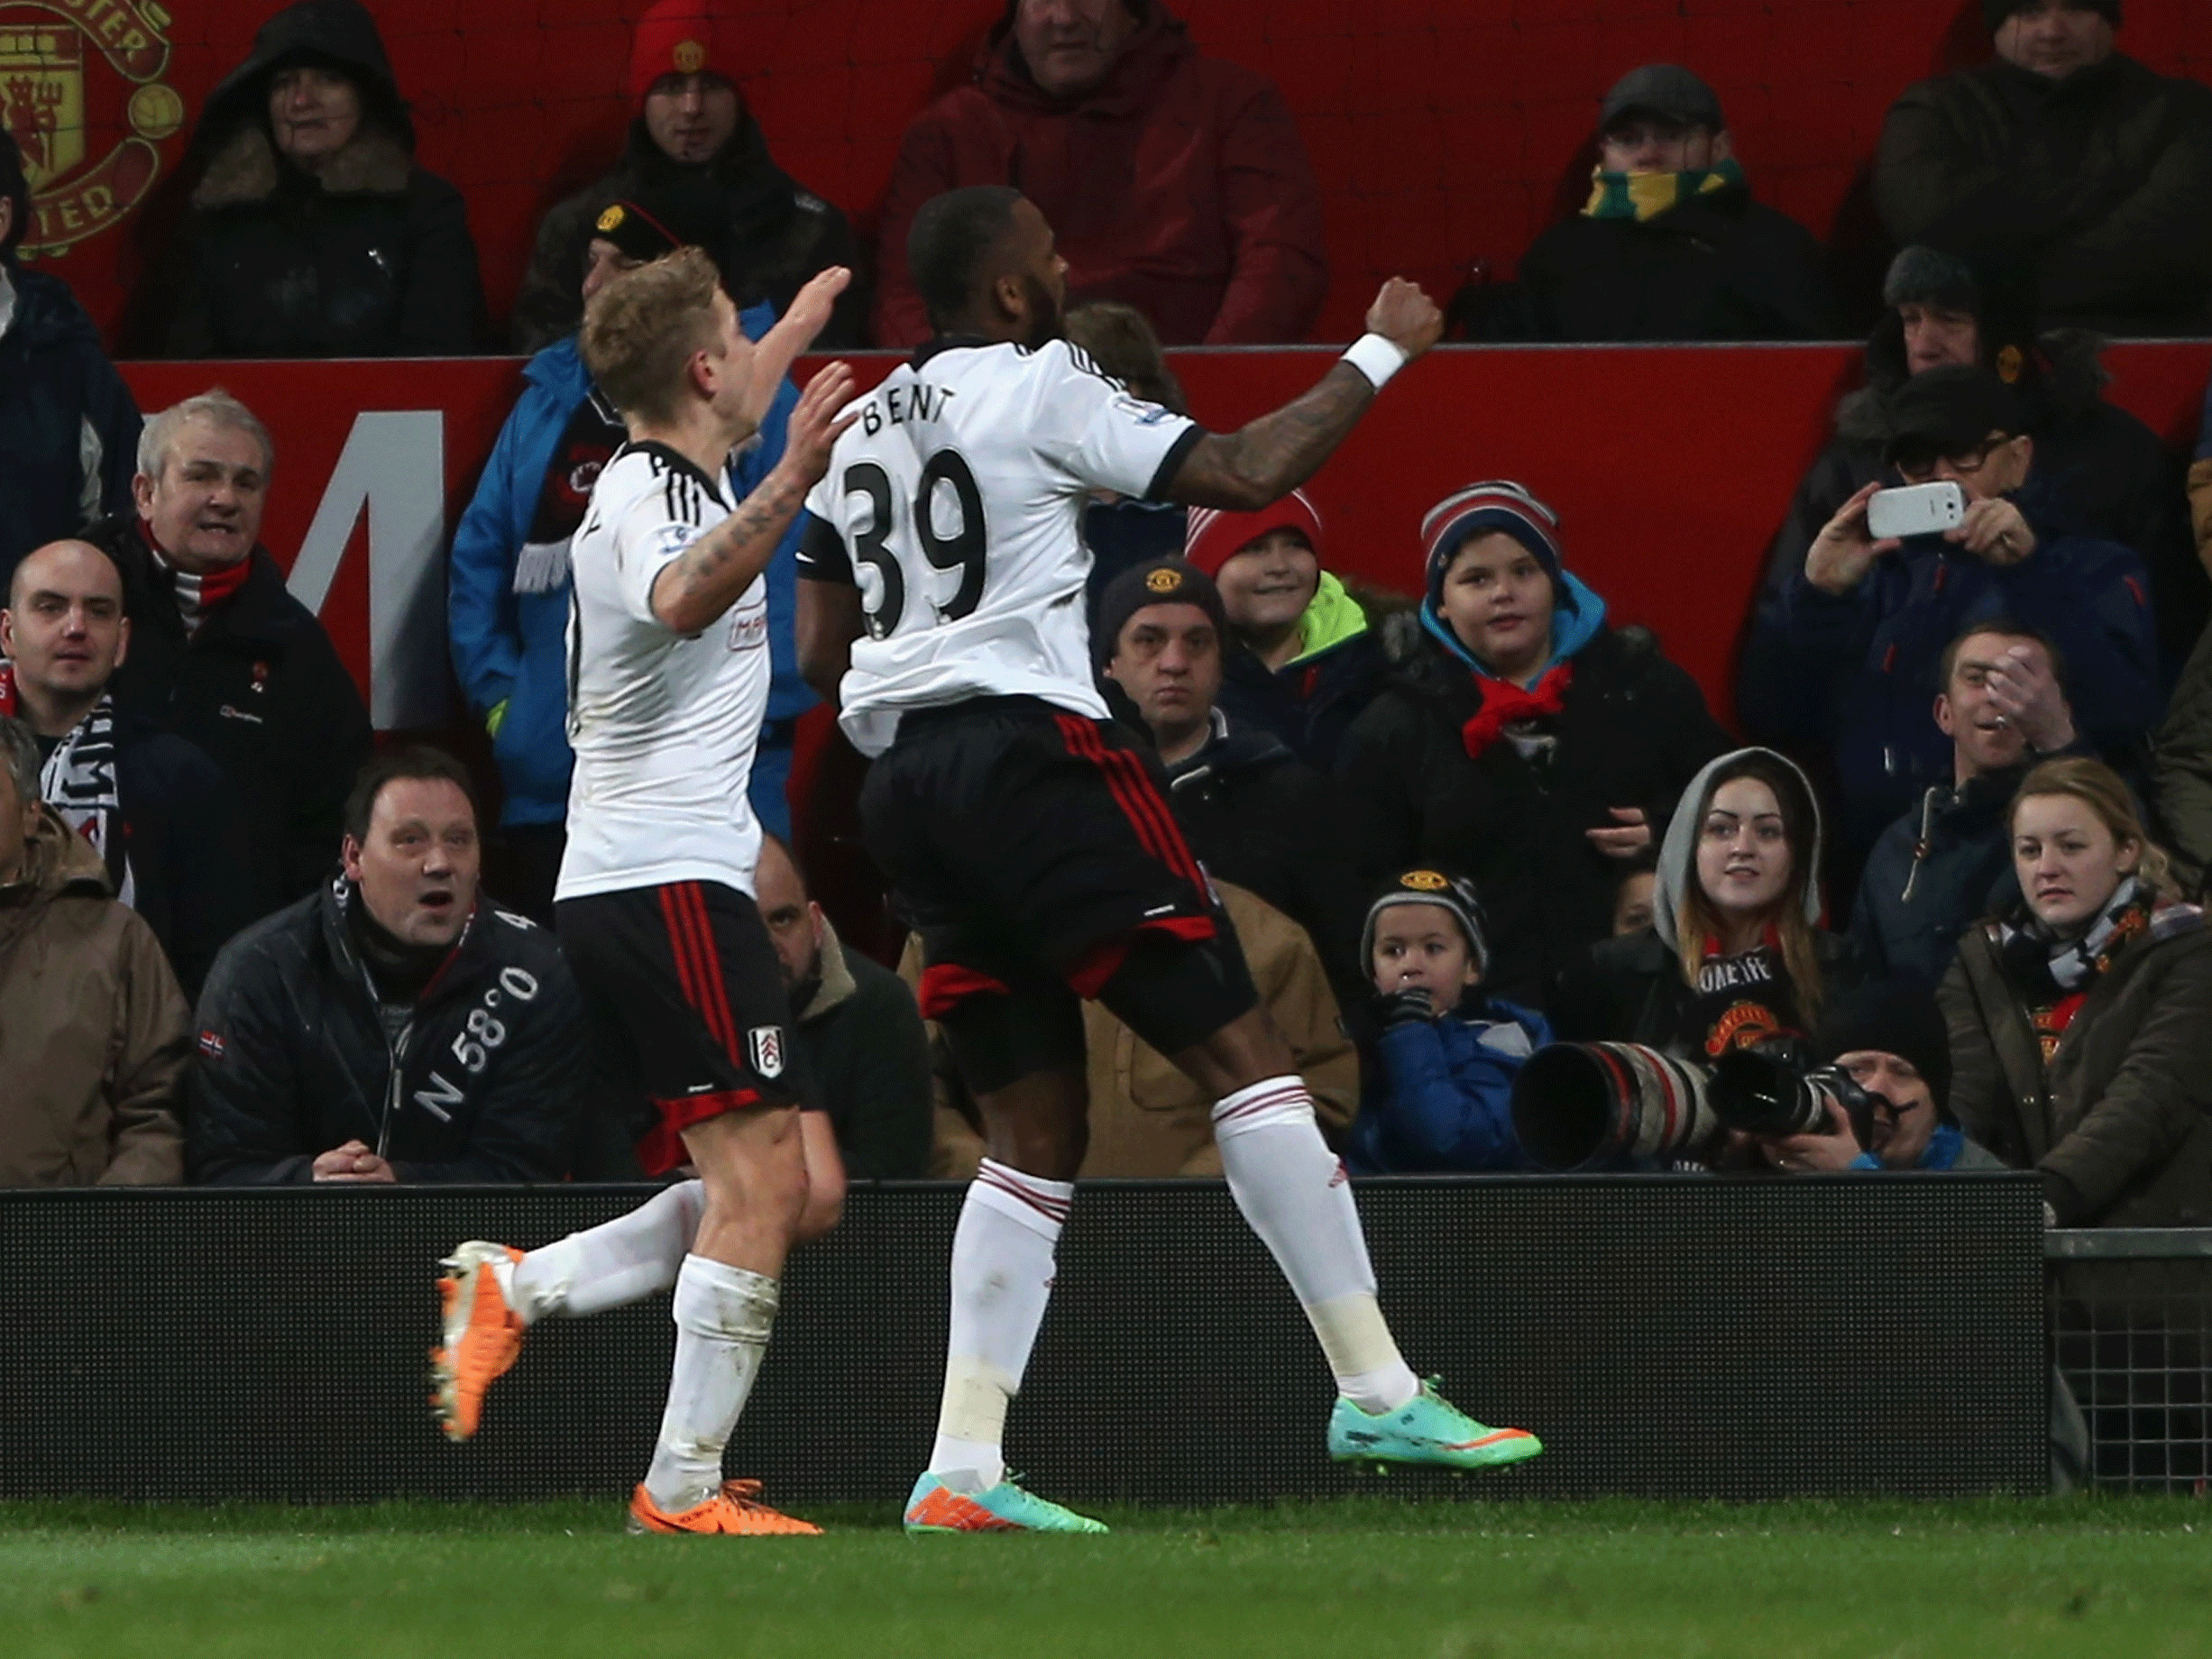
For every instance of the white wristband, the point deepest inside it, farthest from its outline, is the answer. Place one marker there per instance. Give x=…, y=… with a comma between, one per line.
x=1377, y=358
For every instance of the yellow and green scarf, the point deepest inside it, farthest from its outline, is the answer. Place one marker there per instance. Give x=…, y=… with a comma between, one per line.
x=1644, y=197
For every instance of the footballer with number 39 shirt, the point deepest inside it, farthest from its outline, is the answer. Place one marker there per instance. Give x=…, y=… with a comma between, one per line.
x=1028, y=837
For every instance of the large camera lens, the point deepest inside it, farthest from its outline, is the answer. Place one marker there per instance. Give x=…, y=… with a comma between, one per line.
x=1585, y=1106
x=1762, y=1094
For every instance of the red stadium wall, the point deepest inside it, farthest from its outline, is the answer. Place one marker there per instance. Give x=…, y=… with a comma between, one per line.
x=1670, y=467
x=1443, y=131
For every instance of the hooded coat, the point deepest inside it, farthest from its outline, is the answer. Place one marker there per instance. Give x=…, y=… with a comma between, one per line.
x=2119, y=1119
x=780, y=235
x=2100, y=183
x=93, y=1031
x=69, y=426
x=1312, y=700
x=1179, y=186
x=1632, y=731
x=371, y=257
x=1716, y=267
x=1631, y=989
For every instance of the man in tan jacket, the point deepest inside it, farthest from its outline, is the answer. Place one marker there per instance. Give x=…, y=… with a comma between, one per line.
x=93, y=1029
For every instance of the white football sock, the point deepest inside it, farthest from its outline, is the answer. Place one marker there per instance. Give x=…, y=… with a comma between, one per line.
x=624, y=1261
x=1294, y=1192
x=723, y=1316
x=1002, y=1276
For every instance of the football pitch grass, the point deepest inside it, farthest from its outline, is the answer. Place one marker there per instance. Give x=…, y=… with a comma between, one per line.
x=2077, y=1577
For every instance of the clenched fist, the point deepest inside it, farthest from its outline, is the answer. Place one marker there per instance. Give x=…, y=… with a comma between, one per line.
x=1406, y=316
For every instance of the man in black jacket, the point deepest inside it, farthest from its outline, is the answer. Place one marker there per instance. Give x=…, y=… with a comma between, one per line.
x=860, y=1030
x=692, y=123
x=1948, y=861
x=2066, y=159
x=1670, y=245
x=153, y=805
x=221, y=654
x=396, y=1026
x=1254, y=813
x=68, y=429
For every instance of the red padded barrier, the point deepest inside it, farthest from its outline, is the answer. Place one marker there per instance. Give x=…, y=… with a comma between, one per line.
x=1670, y=466
x=1441, y=130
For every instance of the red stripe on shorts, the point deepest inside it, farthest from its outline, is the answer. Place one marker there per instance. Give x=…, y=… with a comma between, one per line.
x=1088, y=977
x=662, y=1149
x=720, y=1022
x=1134, y=791
x=948, y=985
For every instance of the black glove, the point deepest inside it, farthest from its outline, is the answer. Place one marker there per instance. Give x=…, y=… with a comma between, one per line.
x=1412, y=1005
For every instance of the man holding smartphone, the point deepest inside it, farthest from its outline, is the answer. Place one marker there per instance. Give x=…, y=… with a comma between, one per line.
x=1844, y=657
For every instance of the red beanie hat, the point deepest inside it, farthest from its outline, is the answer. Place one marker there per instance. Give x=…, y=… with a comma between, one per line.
x=682, y=37
x=1215, y=538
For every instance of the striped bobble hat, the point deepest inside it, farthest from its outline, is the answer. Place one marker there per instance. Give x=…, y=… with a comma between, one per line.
x=1497, y=504
x=1213, y=538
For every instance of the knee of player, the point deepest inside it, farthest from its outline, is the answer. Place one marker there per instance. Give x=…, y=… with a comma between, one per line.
x=824, y=1206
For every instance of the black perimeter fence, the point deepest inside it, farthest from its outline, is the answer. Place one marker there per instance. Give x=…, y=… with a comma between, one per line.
x=1667, y=1336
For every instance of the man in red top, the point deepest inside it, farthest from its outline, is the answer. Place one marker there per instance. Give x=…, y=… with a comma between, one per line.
x=1177, y=183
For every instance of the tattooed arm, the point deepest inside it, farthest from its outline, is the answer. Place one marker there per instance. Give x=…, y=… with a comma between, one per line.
x=1268, y=458
x=714, y=572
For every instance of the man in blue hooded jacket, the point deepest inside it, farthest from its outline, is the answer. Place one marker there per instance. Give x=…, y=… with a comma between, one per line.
x=508, y=596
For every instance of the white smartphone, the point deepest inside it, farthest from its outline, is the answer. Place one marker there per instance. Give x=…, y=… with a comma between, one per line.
x=1917, y=509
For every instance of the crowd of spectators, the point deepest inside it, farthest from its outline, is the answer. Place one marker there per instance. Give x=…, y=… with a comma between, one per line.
x=1452, y=827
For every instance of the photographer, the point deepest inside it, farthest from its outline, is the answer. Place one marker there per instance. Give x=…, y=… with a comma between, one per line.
x=1889, y=1040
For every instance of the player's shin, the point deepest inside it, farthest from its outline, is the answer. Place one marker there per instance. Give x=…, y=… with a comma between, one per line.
x=1002, y=1276
x=723, y=1316
x=621, y=1262
x=1293, y=1191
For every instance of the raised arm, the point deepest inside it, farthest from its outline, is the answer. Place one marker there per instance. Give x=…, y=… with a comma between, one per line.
x=1266, y=459
x=714, y=572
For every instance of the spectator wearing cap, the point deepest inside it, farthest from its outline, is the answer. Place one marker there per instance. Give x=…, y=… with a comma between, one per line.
x=1889, y=1039
x=2099, y=470
x=1253, y=813
x=68, y=427
x=1124, y=531
x=1844, y=658
x=312, y=232
x=1521, y=740
x=1176, y=182
x=691, y=122
x=2067, y=159
x=1441, y=1097
x=1670, y=245
x=1305, y=661
x=1948, y=860
x=507, y=580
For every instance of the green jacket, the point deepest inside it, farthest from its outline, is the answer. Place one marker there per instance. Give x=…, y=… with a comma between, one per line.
x=2120, y=1120
x=2101, y=183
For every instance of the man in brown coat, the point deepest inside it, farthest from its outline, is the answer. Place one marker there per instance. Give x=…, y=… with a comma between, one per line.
x=93, y=1029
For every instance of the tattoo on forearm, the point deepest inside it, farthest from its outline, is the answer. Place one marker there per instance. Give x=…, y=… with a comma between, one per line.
x=743, y=543
x=1280, y=451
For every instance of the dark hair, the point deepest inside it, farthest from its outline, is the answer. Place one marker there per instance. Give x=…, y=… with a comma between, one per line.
x=951, y=239
x=1120, y=340
x=15, y=188
x=415, y=762
x=2003, y=628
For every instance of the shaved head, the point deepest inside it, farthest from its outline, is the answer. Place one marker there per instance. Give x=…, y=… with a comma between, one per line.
x=66, y=557
x=64, y=631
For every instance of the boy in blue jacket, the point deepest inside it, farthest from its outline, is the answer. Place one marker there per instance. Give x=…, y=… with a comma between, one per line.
x=1449, y=1053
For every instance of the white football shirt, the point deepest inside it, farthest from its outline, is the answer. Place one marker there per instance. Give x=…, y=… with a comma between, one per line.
x=663, y=724
x=955, y=505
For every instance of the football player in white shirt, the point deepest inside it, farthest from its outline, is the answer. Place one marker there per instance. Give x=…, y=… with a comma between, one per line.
x=941, y=601
x=668, y=672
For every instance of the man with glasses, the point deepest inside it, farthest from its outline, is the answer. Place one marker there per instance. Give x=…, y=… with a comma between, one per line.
x=1844, y=657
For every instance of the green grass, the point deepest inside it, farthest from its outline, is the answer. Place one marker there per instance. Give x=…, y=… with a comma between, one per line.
x=2080, y=1578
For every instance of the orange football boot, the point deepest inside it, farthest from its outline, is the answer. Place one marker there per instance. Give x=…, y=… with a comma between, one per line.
x=735, y=1508
x=483, y=1336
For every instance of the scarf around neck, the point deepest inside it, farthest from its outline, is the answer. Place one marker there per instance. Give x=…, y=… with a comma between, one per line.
x=1507, y=711
x=196, y=594
x=1644, y=197
x=78, y=782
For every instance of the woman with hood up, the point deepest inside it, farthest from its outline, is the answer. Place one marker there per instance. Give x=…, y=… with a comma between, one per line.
x=312, y=233
x=1735, y=955
x=1523, y=741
